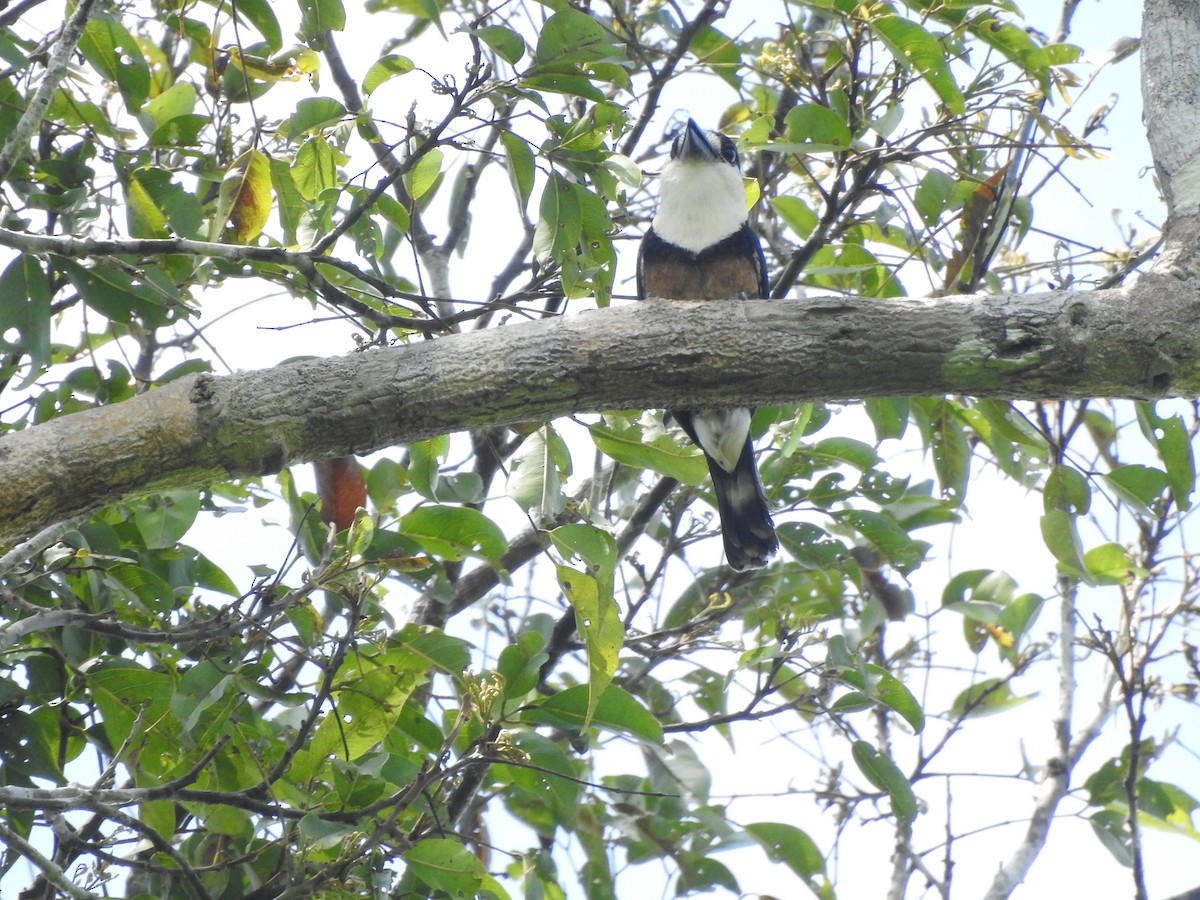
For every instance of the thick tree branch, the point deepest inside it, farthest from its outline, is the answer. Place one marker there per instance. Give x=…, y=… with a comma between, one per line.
x=1137, y=342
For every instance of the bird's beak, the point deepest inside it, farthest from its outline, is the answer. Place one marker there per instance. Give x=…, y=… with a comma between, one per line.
x=695, y=143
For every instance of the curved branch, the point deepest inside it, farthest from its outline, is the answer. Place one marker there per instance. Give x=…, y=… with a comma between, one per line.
x=1131, y=342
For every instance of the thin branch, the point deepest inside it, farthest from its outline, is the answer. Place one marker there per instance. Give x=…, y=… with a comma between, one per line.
x=18, y=142
x=47, y=537
x=52, y=872
x=708, y=13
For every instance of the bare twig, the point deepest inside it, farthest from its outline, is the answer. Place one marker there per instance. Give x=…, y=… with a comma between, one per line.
x=52, y=873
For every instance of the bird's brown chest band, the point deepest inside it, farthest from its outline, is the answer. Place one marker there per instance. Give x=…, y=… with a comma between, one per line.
x=723, y=278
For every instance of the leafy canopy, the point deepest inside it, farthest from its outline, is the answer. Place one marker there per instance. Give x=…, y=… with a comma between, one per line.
x=508, y=677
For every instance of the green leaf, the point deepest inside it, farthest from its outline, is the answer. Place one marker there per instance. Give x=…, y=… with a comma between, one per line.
x=521, y=166
x=154, y=593
x=206, y=573
x=158, y=816
x=597, y=616
x=427, y=480
x=860, y=455
x=305, y=524
x=852, y=702
x=200, y=687
x=312, y=114
x=882, y=772
x=1068, y=490
x=884, y=687
x=980, y=587
x=360, y=534
x=560, y=221
x=259, y=14
x=1061, y=538
x=571, y=85
x=364, y=712
x=912, y=45
x=789, y=845
x=317, y=833
x=429, y=10
x=535, y=474
x=508, y=44
x=1016, y=44
x=434, y=648
x=121, y=688
x=992, y=695
x=812, y=125
x=1139, y=486
x=1174, y=445
x=158, y=205
x=593, y=545
x=25, y=314
x=395, y=212
x=932, y=194
x=1110, y=827
x=569, y=38
x=617, y=711
x=520, y=663
x=889, y=415
x=290, y=205
x=951, y=451
x=700, y=874
x=114, y=293
x=164, y=519
x=886, y=536
x=1019, y=615
x=811, y=546
x=1110, y=564
x=665, y=455
x=113, y=52
x=550, y=775
x=422, y=176
x=318, y=17
x=986, y=600
x=720, y=53
x=30, y=743
x=798, y=215
x=177, y=100
x=453, y=532
x=314, y=169
x=446, y=865
x=384, y=69
x=626, y=170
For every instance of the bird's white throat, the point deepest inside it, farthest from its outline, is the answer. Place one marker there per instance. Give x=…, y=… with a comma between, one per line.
x=700, y=203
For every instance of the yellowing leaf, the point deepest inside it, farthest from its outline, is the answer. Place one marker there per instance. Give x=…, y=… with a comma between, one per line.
x=244, y=200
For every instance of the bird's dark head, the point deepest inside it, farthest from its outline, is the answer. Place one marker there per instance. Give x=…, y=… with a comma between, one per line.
x=694, y=144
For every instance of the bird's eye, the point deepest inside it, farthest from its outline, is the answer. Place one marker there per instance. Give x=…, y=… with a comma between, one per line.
x=729, y=151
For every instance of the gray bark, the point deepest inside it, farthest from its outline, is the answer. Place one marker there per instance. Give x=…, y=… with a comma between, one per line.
x=1138, y=342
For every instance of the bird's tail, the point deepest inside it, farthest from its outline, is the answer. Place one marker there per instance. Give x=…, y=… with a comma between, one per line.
x=746, y=524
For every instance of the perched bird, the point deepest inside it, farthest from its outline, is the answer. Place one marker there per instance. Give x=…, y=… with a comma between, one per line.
x=700, y=247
